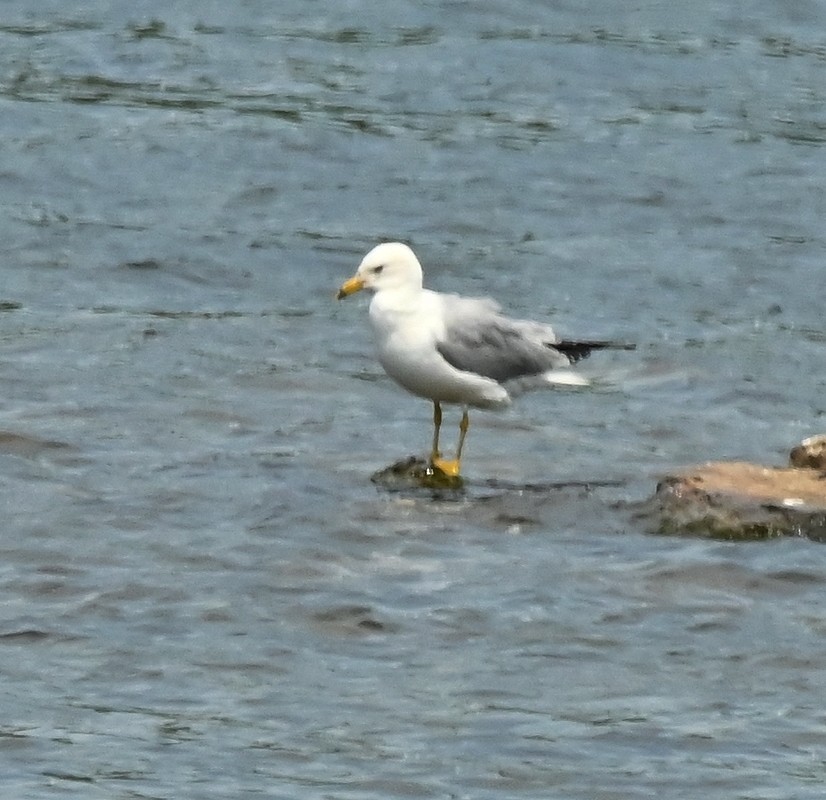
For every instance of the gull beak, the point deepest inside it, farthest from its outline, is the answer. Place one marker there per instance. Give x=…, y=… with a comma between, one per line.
x=355, y=284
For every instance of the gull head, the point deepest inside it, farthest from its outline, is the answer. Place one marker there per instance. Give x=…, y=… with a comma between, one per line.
x=389, y=266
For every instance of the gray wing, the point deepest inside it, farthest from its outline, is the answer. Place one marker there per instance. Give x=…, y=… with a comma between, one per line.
x=479, y=339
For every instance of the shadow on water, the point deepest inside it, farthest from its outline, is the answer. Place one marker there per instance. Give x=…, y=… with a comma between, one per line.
x=414, y=477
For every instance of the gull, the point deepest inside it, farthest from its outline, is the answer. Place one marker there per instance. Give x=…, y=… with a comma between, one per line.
x=457, y=350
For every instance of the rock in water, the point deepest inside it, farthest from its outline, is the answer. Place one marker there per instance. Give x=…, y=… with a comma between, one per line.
x=739, y=500
x=810, y=453
x=416, y=473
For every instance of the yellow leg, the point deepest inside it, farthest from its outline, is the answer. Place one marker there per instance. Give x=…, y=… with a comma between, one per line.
x=451, y=468
x=463, y=426
x=437, y=424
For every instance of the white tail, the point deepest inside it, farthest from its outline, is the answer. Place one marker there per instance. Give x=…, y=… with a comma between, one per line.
x=564, y=377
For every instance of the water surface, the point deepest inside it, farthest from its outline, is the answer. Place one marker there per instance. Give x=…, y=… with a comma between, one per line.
x=203, y=594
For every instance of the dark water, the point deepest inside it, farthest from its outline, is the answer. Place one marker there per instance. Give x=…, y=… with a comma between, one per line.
x=203, y=595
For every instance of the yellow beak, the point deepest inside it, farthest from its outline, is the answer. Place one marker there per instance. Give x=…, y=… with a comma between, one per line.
x=355, y=284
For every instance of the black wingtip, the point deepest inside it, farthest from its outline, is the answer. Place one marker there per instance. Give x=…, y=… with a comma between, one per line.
x=576, y=351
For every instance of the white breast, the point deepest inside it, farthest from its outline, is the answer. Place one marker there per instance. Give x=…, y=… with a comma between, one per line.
x=407, y=327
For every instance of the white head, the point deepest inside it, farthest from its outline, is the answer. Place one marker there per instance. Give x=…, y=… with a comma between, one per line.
x=392, y=265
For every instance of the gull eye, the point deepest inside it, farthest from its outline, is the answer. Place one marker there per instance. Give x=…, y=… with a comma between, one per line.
x=377, y=270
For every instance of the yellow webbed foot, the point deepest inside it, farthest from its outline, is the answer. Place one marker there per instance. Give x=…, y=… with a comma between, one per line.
x=446, y=466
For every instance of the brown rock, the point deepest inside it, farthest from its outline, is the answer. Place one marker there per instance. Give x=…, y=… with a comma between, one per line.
x=739, y=500
x=810, y=453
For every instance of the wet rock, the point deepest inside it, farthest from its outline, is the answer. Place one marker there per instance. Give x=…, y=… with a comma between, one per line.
x=416, y=473
x=739, y=500
x=810, y=453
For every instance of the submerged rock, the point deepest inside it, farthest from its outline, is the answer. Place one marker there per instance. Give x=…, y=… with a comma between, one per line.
x=740, y=500
x=416, y=473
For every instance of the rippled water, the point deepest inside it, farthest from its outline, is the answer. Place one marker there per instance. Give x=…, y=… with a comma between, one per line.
x=203, y=594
